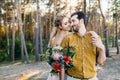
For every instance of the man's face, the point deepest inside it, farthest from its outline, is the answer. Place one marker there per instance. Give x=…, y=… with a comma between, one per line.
x=75, y=22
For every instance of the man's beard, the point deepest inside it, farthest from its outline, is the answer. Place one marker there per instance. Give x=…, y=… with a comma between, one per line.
x=76, y=29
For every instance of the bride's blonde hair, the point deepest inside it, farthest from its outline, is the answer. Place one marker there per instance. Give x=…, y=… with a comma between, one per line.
x=58, y=22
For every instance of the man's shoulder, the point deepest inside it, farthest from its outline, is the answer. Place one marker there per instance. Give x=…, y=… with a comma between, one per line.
x=71, y=34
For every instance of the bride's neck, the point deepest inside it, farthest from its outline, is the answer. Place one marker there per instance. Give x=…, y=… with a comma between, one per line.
x=61, y=32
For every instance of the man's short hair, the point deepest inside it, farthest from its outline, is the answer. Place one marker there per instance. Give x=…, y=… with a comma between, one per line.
x=80, y=14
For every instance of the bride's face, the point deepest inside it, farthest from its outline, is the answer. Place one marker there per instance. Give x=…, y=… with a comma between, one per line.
x=65, y=24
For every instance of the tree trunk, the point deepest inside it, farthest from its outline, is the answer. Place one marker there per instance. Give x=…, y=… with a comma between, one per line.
x=54, y=13
x=13, y=36
x=37, y=33
x=21, y=32
x=40, y=30
x=113, y=38
x=0, y=31
x=41, y=42
x=54, y=16
x=85, y=6
x=117, y=44
x=50, y=27
x=7, y=33
x=107, y=41
x=105, y=30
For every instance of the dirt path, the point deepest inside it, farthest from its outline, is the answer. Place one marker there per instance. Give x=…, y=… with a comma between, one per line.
x=111, y=69
x=40, y=71
x=23, y=71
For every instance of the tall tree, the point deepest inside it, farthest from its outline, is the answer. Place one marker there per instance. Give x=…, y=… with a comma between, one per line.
x=105, y=29
x=13, y=35
x=7, y=27
x=54, y=16
x=85, y=6
x=23, y=44
x=54, y=13
x=7, y=34
x=38, y=33
x=116, y=4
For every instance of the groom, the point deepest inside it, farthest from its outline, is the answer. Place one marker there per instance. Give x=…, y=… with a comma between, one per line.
x=88, y=47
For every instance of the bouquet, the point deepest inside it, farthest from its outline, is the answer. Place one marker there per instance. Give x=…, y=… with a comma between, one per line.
x=60, y=58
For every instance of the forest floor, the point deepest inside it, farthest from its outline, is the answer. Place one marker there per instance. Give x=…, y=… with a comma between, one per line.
x=40, y=70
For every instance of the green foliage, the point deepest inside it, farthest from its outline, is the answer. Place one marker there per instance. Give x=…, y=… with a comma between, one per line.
x=116, y=3
x=45, y=45
x=3, y=55
x=53, y=72
x=3, y=43
x=3, y=49
x=18, y=48
x=116, y=6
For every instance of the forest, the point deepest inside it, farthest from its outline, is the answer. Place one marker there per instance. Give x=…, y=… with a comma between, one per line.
x=25, y=25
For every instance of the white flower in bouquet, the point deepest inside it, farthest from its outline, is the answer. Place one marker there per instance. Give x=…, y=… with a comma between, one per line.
x=56, y=55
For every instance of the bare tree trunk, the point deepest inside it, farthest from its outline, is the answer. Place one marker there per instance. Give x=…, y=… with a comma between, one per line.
x=46, y=29
x=21, y=31
x=41, y=42
x=85, y=6
x=50, y=23
x=36, y=44
x=54, y=16
x=50, y=27
x=7, y=34
x=37, y=34
x=40, y=30
x=105, y=30
x=101, y=12
x=113, y=29
x=117, y=32
x=13, y=36
x=54, y=13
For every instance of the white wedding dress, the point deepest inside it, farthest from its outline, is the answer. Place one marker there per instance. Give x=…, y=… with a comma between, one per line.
x=56, y=77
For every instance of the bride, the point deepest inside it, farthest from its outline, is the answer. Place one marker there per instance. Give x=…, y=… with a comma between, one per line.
x=61, y=29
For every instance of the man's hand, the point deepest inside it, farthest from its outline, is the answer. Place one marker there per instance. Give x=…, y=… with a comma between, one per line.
x=96, y=40
x=98, y=43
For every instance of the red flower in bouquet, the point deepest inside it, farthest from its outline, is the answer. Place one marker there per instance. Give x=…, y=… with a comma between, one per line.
x=67, y=59
x=56, y=66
